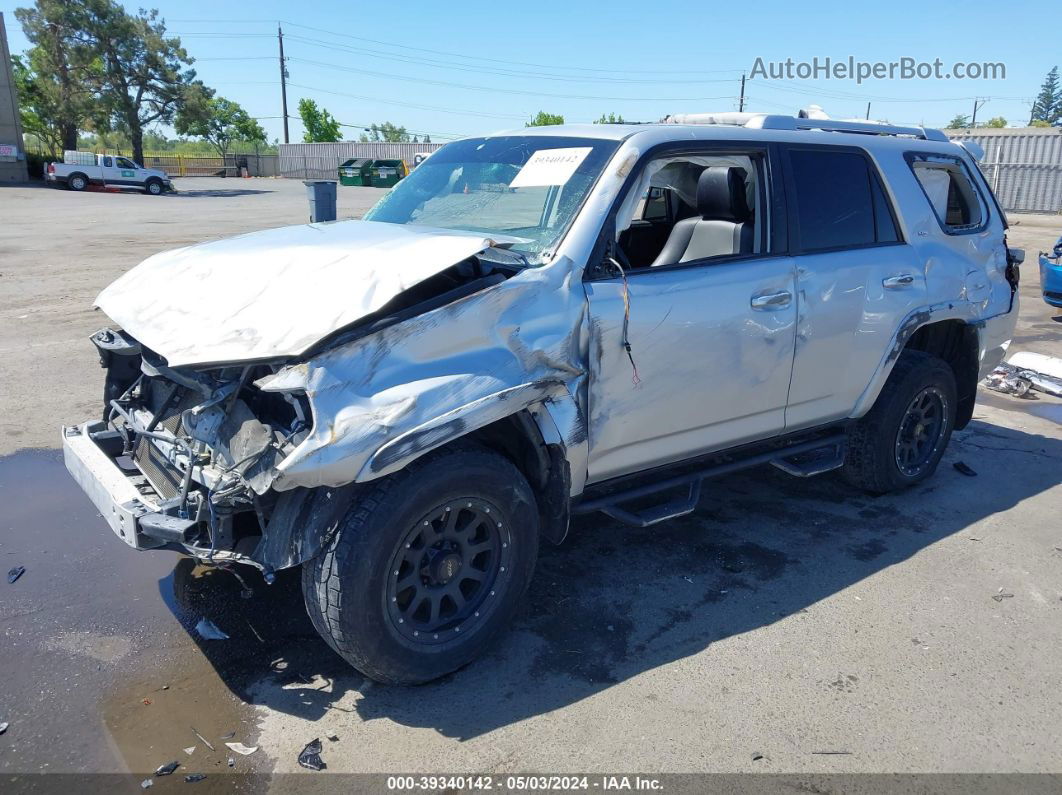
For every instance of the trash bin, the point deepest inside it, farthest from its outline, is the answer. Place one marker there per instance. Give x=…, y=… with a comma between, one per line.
x=355, y=172
x=387, y=173
x=322, y=196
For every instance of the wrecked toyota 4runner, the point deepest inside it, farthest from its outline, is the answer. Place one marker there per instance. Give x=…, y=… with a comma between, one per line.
x=531, y=325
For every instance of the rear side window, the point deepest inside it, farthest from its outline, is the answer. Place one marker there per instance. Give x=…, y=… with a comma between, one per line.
x=950, y=191
x=840, y=202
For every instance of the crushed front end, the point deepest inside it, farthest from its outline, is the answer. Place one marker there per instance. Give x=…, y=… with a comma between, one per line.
x=184, y=459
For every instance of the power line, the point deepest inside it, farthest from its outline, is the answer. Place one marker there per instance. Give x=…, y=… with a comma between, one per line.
x=451, y=54
x=410, y=104
x=494, y=90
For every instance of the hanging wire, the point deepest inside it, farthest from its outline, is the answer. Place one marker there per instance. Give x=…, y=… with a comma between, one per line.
x=635, y=379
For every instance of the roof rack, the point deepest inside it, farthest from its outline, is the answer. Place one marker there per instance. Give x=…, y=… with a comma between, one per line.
x=770, y=121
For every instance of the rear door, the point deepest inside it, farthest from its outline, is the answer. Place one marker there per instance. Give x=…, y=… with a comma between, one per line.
x=857, y=278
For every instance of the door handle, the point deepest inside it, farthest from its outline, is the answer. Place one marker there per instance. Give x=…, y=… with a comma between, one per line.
x=769, y=301
x=898, y=282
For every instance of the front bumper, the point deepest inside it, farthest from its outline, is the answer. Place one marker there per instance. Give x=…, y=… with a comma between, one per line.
x=1051, y=280
x=90, y=452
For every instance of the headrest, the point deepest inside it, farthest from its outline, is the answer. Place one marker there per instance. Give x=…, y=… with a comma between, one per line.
x=721, y=194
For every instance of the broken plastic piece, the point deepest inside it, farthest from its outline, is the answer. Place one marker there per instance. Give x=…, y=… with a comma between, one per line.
x=311, y=755
x=167, y=769
x=208, y=630
x=15, y=573
x=3, y=727
x=201, y=737
x=964, y=469
x=232, y=761
x=999, y=597
x=147, y=782
x=240, y=748
x=228, y=735
x=190, y=750
x=333, y=738
x=191, y=778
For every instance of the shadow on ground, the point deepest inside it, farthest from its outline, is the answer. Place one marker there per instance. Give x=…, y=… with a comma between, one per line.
x=614, y=602
x=217, y=193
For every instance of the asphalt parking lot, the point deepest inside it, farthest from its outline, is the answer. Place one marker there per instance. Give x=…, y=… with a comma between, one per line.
x=786, y=626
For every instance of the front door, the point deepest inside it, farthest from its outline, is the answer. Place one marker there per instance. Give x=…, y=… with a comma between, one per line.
x=711, y=330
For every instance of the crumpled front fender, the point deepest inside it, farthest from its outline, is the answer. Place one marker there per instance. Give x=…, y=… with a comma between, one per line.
x=383, y=400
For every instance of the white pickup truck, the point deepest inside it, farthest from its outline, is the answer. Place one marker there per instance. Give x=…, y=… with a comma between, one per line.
x=110, y=170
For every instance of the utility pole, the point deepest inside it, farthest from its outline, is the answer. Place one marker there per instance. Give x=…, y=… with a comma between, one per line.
x=868, y=111
x=977, y=106
x=283, y=83
x=741, y=101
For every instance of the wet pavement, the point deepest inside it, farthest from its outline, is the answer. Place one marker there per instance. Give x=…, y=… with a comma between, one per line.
x=103, y=670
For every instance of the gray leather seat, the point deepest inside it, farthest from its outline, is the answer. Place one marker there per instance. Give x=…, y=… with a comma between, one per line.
x=724, y=225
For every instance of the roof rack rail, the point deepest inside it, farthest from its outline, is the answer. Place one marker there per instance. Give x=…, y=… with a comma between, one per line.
x=770, y=121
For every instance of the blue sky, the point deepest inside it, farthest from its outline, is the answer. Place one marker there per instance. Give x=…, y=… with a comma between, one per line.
x=473, y=67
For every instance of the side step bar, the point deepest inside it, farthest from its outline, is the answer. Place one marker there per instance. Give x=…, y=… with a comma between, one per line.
x=801, y=460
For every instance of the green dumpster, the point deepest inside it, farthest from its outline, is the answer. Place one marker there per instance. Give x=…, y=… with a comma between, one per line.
x=355, y=172
x=387, y=173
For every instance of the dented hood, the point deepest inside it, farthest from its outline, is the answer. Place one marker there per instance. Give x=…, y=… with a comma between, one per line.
x=275, y=293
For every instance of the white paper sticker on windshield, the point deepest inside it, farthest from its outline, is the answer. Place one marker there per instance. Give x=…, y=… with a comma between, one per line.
x=550, y=167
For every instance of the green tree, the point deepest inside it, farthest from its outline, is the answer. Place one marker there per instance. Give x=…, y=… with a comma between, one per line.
x=144, y=79
x=217, y=120
x=319, y=125
x=958, y=122
x=543, y=119
x=612, y=118
x=57, y=82
x=389, y=132
x=1039, y=123
x=995, y=121
x=1048, y=104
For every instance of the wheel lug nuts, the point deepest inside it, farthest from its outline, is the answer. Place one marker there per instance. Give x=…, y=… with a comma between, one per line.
x=436, y=637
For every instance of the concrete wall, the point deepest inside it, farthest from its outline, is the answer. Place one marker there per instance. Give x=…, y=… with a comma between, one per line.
x=12, y=169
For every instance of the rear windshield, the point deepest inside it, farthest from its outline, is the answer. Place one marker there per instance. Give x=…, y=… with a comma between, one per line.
x=526, y=187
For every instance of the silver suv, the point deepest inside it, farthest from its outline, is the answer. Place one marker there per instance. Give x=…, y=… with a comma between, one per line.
x=539, y=324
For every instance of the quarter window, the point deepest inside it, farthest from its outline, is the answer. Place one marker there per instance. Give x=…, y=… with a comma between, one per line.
x=840, y=203
x=950, y=191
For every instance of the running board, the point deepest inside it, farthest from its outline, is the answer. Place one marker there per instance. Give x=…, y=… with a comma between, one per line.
x=801, y=460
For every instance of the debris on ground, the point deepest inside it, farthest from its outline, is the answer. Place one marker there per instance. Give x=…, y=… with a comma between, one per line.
x=1007, y=380
x=201, y=737
x=15, y=573
x=208, y=630
x=167, y=769
x=333, y=738
x=832, y=753
x=190, y=750
x=3, y=727
x=147, y=782
x=255, y=631
x=191, y=778
x=964, y=469
x=1026, y=371
x=228, y=735
x=1001, y=595
x=310, y=757
x=146, y=702
x=232, y=761
x=687, y=579
x=756, y=757
x=240, y=748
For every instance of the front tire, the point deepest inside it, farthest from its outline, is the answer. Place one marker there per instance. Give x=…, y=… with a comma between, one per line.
x=902, y=438
x=427, y=567
x=154, y=187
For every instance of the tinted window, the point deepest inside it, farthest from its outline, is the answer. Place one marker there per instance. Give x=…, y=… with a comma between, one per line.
x=107, y=162
x=839, y=201
x=950, y=192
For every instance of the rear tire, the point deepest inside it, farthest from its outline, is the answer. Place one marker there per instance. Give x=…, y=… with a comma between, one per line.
x=77, y=182
x=902, y=438
x=427, y=566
